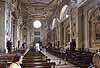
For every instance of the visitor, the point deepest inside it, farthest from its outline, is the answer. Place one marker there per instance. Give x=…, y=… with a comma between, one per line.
x=17, y=61
x=9, y=45
x=96, y=60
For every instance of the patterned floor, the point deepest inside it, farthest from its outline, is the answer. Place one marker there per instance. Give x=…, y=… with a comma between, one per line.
x=59, y=62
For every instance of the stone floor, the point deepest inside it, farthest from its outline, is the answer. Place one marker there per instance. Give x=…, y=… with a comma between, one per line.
x=59, y=62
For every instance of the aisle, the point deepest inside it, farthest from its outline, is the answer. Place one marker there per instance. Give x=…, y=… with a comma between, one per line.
x=60, y=63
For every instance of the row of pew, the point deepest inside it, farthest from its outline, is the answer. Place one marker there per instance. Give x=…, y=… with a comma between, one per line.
x=36, y=59
x=79, y=58
x=32, y=59
x=6, y=59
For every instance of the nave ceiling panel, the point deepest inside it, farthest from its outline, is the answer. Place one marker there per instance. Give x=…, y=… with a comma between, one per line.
x=39, y=9
x=34, y=11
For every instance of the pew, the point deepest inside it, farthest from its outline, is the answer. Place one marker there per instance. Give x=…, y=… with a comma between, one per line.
x=41, y=64
x=77, y=57
x=6, y=57
x=33, y=59
x=6, y=60
x=3, y=65
x=22, y=50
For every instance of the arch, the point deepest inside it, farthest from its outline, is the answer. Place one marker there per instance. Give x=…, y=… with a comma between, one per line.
x=63, y=11
x=94, y=26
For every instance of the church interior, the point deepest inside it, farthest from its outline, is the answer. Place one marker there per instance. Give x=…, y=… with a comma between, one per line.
x=50, y=33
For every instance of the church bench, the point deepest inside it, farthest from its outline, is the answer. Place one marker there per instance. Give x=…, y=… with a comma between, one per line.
x=34, y=54
x=77, y=57
x=34, y=57
x=3, y=65
x=43, y=64
x=6, y=57
x=22, y=49
x=35, y=60
x=38, y=67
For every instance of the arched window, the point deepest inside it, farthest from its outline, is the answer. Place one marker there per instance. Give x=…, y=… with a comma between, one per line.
x=63, y=13
x=37, y=24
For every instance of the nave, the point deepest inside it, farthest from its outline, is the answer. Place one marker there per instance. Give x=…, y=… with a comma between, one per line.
x=68, y=29
x=35, y=59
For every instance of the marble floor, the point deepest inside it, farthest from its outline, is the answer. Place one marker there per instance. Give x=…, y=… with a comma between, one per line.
x=60, y=63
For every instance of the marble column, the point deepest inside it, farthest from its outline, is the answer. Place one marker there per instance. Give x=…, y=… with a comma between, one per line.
x=2, y=28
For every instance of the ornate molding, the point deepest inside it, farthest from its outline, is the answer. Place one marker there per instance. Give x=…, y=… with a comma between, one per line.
x=2, y=3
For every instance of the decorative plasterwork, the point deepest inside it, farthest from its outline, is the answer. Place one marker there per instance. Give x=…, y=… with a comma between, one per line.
x=40, y=8
x=94, y=23
x=36, y=1
x=38, y=12
x=2, y=3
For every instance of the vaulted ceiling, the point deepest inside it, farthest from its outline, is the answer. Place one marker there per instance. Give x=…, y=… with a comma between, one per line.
x=40, y=9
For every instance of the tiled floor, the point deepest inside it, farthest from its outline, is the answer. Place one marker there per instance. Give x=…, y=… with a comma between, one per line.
x=59, y=62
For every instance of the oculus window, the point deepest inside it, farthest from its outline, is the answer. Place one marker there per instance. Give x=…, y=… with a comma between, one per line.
x=37, y=24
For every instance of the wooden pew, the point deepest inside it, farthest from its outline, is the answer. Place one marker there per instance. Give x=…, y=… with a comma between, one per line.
x=3, y=65
x=34, y=59
x=20, y=50
x=6, y=57
x=34, y=55
x=6, y=60
x=41, y=64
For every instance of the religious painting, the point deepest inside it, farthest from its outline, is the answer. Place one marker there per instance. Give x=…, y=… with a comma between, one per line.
x=97, y=29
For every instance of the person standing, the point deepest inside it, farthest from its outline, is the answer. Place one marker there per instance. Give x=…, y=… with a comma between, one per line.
x=72, y=45
x=9, y=46
x=37, y=46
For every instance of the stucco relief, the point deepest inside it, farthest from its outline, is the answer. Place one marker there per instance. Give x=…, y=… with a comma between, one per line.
x=94, y=22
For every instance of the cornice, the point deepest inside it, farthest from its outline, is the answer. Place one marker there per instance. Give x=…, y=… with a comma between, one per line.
x=2, y=3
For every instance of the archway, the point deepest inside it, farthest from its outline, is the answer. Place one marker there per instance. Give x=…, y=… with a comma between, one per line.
x=63, y=12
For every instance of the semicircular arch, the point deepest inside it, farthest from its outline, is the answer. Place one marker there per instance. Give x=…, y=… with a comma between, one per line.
x=63, y=11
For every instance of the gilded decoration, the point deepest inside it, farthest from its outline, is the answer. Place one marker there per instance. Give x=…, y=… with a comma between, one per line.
x=94, y=26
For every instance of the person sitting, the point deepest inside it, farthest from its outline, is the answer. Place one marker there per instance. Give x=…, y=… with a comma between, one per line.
x=17, y=61
x=96, y=60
